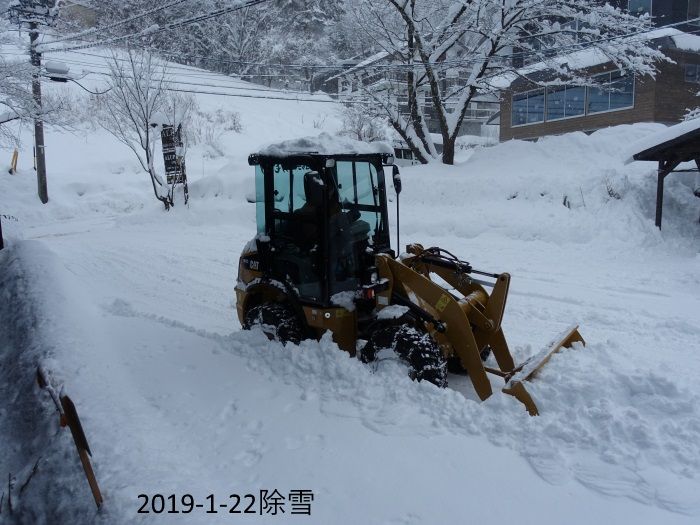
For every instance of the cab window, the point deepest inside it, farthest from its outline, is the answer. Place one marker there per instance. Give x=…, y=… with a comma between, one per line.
x=357, y=188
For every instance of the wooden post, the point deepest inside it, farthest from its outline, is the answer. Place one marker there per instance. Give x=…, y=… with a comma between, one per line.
x=70, y=415
x=665, y=167
x=13, y=162
x=660, y=193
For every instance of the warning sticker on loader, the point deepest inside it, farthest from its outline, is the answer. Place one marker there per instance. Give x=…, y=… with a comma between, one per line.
x=442, y=303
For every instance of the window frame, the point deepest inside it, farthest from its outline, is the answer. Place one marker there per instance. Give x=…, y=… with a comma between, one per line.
x=697, y=73
x=610, y=73
x=566, y=117
x=544, y=109
x=586, y=112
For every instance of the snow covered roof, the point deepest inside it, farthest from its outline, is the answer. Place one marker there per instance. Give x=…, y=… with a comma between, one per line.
x=687, y=41
x=361, y=65
x=586, y=58
x=652, y=146
x=324, y=144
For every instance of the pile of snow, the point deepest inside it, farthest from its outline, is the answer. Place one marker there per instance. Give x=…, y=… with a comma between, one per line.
x=569, y=189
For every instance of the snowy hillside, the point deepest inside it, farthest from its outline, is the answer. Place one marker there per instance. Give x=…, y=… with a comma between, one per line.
x=131, y=309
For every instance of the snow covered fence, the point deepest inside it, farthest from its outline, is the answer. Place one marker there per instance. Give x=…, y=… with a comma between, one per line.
x=69, y=417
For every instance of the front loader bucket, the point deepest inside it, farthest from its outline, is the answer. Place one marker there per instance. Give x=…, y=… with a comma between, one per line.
x=465, y=318
x=529, y=369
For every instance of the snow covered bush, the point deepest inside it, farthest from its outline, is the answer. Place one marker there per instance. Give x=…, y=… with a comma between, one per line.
x=208, y=128
x=361, y=122
x=227, y=120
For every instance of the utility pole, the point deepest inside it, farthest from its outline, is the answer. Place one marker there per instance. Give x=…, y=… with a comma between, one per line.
x=35, y=58
x=32, y=14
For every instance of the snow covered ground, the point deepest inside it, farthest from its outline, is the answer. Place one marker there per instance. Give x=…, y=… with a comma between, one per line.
x=130, y=309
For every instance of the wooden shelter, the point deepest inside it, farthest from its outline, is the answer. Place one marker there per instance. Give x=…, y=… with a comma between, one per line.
x=670, y=148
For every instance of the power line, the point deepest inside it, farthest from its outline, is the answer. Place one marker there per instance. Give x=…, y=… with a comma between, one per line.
x=88, y=32
x=176, y=81
x=393, y=66
x=166, y=68
x=167, y=27
x=443, y=64
x=254, y=96
x=189, y=71
x=337, y=98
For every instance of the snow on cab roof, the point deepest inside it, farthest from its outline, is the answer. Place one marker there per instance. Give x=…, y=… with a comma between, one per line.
x=324, y=144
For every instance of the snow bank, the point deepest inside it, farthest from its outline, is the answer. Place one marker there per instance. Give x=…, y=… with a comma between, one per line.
x=569, y=189
x=40, y=326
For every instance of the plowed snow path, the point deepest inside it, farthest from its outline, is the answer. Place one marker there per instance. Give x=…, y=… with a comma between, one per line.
x=177, y=400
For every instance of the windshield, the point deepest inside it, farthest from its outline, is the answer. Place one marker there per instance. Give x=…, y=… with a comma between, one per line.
x=297, y=226
x=323, y=219
x=358, y=189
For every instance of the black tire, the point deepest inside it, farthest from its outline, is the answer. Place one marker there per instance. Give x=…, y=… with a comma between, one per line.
x=277, y=321
x=415, y=347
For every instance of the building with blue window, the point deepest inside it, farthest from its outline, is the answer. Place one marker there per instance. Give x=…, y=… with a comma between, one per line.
x=529, y=111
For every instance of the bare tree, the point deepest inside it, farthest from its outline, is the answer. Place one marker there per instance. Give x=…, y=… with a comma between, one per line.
x=132, y=106
x=18, y=106
x=16, y=103
x=16, y=100
x=452, y=51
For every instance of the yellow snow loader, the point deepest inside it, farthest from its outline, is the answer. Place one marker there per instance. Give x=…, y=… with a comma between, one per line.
x=322, y=260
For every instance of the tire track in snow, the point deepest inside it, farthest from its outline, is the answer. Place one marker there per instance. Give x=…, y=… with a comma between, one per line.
x=605, y=429
x=591, y=415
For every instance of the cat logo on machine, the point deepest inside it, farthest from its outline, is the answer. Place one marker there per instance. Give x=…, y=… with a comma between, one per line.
x=252, y=264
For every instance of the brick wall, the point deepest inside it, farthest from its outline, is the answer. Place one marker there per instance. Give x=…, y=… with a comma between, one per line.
x=673, y=94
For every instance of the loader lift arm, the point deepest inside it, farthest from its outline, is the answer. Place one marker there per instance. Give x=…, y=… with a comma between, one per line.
x=466, y=326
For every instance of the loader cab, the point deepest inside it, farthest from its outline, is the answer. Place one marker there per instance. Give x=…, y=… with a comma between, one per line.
x=322, y=219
